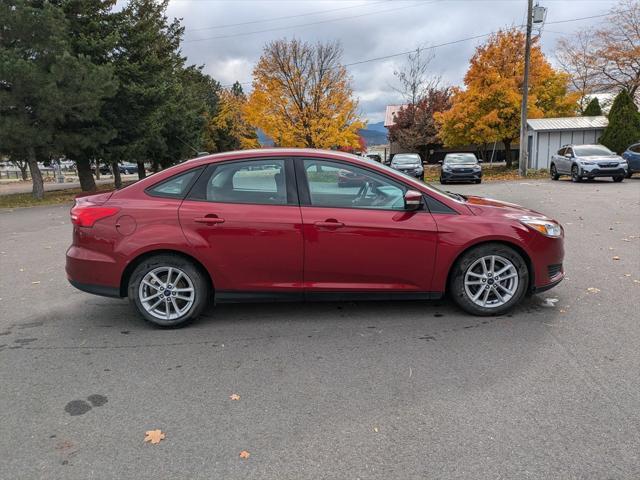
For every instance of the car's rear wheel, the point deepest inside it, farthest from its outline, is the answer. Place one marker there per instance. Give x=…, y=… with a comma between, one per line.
x=618, y=179
x=629, y=173
x=168, y=290
x=553, y=171
x=489, y=279
x=575, y=174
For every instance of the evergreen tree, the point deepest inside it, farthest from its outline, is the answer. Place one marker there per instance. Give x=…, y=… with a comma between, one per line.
x=146, y=64
x=624, y=124
x=593, y=108
x=92, y=33
x=42, y=84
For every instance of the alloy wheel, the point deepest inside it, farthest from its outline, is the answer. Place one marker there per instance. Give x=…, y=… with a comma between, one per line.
x=166, y=293
x=491, y=281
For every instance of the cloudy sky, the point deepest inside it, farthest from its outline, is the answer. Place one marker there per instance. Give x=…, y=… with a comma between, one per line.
x=227, y=36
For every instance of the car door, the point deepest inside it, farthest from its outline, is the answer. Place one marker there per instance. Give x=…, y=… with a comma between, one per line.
x=243, y=217
x=567, y=160
x=358, y=236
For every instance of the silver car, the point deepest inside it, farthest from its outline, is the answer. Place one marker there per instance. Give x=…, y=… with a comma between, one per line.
x=587, y=162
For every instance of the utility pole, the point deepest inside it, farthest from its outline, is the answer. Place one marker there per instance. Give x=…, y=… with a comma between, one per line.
x=522, y=163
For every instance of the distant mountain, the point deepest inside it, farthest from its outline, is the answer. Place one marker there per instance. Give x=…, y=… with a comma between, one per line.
x=374, y=134
x=373, y=137
x=378, y=127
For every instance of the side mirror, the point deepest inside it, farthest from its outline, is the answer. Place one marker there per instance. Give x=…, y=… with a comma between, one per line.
x=440, y=162
x=480, y=160
x=412, y=200
x=568, y=155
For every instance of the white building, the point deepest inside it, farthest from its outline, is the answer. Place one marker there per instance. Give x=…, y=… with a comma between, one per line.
x=546, y=136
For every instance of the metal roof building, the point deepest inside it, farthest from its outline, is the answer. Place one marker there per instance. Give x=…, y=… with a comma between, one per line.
x=545, y=136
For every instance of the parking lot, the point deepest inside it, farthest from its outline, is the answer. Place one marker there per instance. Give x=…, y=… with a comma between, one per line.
x=331, y=390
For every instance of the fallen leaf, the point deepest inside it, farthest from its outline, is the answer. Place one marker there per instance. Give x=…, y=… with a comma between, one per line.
x=22, y=269
x=234, y=396
x=35, y=283
x=549, y=302
x=636, y=281
x=593, y=290
x=154, y=436
x=627, y=274
x=616, y=257
x=244, y=454
x=375, y=429
x=610, y=248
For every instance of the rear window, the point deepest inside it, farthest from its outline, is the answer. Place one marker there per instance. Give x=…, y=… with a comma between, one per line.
x=176, y=186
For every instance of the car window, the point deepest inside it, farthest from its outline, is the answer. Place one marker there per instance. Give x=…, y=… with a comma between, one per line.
x=176, y=186
x=635, y=148
x=562, y=151
x=336, y=184
x=460, y=158
x=247, y=181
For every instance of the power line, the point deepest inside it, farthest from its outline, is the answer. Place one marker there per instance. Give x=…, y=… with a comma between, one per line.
x=273, y=19
x=307, y=24
x=452, y=42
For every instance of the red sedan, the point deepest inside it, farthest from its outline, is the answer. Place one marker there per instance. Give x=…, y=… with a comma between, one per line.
x=280, y=224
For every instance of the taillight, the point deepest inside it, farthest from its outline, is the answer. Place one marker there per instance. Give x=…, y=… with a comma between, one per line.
x=87, y=215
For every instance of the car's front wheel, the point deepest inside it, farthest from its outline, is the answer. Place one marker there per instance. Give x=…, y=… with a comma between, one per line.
x=618, y=179
x=489, y=279
x=575, y=174
x=553, y=171
x=168, y=290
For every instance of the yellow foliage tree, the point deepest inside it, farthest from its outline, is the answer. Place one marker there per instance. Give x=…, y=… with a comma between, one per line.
x=228, y=128
x=488, y=109
x=302, y=96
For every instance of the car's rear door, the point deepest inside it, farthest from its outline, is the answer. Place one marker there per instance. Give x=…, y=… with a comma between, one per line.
x=358, y=236
x=243, y=217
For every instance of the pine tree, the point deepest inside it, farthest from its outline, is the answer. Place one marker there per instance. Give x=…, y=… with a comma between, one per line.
x=43, y=84
x=624, y=124
x=593, y=108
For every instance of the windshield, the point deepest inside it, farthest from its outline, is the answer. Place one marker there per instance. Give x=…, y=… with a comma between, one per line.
x=411, y=179
x=460, y=158
x=591, y=151
x=404, y=159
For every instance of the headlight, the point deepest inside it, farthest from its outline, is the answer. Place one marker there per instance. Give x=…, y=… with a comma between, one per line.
x=476, y=167
x=446, y=168
x=548, y=228
x=582, y=162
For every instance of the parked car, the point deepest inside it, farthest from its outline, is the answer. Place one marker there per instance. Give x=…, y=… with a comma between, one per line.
x=587, y=162
x=408, y=163
x=632, y=156
x=460, y=167
x=375, y=157
x=214, y=228
x=125, y=168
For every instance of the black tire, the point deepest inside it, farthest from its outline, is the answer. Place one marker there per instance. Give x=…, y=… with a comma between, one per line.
x=442, y=182
x=618, y=179
x=478, y=181
x=197, y=277
x=575, y=177
x=629, y=173
x=456, y=278
x=553, y=171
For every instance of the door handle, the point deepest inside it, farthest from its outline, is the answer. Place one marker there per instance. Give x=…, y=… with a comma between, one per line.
x=210, y=219
x=330, y=223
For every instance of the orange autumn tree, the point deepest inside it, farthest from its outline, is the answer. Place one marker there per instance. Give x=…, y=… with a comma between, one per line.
x=302, y=96
x=488, y=108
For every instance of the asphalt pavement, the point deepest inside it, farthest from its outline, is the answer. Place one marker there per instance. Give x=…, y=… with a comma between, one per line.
x=389, y=390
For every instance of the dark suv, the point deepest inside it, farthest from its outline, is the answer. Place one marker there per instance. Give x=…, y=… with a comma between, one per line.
x=460, y=167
